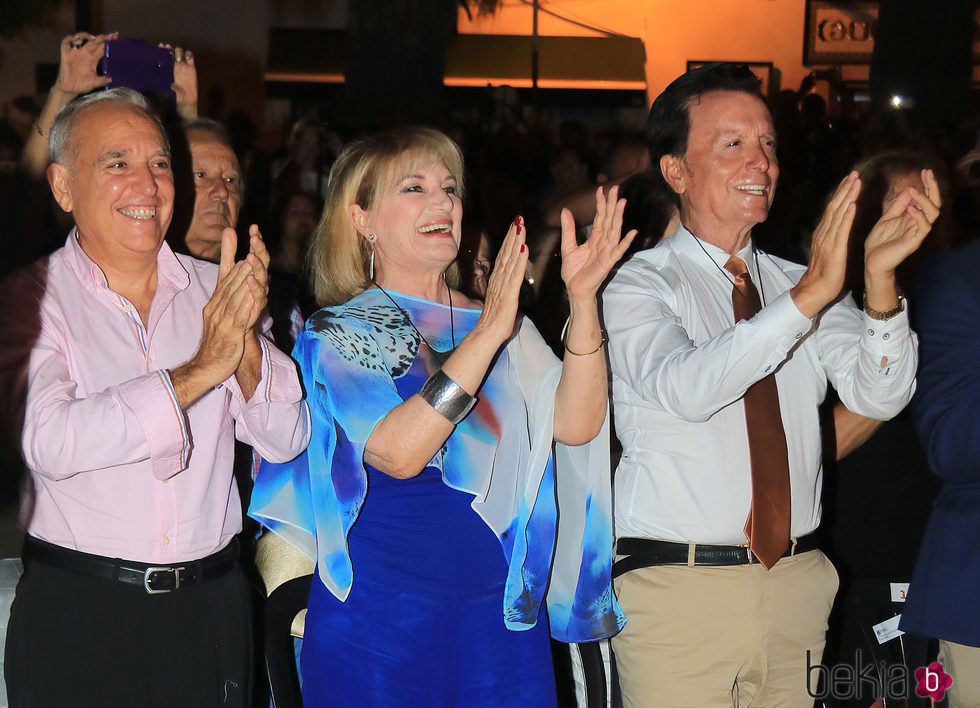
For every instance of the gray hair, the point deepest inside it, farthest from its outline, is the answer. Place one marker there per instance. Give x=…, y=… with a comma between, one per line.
x=219, y=131
x=61, y=140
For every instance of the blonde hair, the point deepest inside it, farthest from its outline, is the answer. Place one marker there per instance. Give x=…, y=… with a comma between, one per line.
x=362, y=174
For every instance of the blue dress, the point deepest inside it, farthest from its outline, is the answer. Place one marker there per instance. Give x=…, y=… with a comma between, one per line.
x=432, y=588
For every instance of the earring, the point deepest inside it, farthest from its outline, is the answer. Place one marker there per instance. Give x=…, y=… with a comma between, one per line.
x=371, y=259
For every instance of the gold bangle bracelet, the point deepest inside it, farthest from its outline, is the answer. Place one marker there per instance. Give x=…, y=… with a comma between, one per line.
x=564, y=333
x=601, y=343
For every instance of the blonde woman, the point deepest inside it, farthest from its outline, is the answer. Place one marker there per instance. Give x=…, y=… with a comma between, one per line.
x=441, y=523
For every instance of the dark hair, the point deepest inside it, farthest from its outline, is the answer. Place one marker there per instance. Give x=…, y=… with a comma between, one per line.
x=630, y=146
x=649, y=209
x=669, y=122
x=878, y=174
x=219, y=131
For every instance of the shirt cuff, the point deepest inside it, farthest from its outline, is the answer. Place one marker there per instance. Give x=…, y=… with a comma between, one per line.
x=887, y=331
x=278, y=383
x=886, y=338
x=153, y=401
x=783, y=317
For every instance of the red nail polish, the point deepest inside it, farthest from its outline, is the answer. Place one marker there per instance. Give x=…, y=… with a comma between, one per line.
x=519, y=223
x=523, y=246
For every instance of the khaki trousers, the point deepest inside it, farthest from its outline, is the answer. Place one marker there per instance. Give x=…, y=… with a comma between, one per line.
x=723, y=635
x=963, y=664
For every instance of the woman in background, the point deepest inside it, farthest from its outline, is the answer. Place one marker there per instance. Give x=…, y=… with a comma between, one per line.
x=879, y=486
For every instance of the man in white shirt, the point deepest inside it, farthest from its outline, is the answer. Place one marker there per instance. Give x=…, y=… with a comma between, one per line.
x=723, y=604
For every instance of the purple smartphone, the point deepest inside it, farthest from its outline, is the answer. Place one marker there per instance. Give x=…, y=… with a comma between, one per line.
x=139, y=66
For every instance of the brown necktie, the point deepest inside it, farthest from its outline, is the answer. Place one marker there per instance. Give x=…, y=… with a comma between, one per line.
x=767, y=527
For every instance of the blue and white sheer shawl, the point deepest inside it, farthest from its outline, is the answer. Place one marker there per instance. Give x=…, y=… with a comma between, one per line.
x=555, y=532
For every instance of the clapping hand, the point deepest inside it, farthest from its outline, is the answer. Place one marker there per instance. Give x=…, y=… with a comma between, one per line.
x=824, y=277
x=584, y=267
x=256, y=265
x=902, y=228
x=258, y=259
x=504, y=286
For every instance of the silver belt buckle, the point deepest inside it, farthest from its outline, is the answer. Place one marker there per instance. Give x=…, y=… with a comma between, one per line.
x=160, y=569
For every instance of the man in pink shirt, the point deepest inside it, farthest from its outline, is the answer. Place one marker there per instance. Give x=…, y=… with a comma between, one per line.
x=129, y=371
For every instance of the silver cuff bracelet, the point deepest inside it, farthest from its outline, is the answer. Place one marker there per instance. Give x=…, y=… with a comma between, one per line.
x=445, y=395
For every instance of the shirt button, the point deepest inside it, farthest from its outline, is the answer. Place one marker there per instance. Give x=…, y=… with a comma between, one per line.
x=164, y=481
x=871, y=332
x=768, y=368
x=799, y=335
x=885, y=335
x=166, y=540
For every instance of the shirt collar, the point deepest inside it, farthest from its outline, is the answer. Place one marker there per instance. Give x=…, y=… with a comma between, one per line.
x=695, y=248
x=169, y=268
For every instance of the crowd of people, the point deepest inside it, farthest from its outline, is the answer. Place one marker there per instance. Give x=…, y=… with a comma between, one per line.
x=625, y=414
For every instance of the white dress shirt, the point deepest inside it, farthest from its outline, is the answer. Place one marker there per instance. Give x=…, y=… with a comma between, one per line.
x=680, y=367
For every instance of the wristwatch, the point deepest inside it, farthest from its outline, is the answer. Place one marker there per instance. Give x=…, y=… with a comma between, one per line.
x=886, y=314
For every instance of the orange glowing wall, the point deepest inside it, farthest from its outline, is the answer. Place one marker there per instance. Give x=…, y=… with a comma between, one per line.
x=675, y=31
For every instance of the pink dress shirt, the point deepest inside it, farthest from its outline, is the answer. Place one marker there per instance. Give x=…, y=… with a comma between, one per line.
x=115, y=467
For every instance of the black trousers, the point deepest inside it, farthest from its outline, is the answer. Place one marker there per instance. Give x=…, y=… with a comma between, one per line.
x=75, y=640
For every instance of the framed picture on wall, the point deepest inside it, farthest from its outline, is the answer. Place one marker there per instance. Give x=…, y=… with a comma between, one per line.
x=839, y=33
x=762, y=69
x=834, y=33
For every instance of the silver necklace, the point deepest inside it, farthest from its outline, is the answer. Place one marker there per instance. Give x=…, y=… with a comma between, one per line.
x=441, y=356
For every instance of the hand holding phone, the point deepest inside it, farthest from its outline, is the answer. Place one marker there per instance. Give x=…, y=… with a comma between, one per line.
x=81, y=53
x=140, y=66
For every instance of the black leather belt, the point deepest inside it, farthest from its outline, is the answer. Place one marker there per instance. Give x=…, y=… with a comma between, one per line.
x=646, y=552
x=153, y=578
